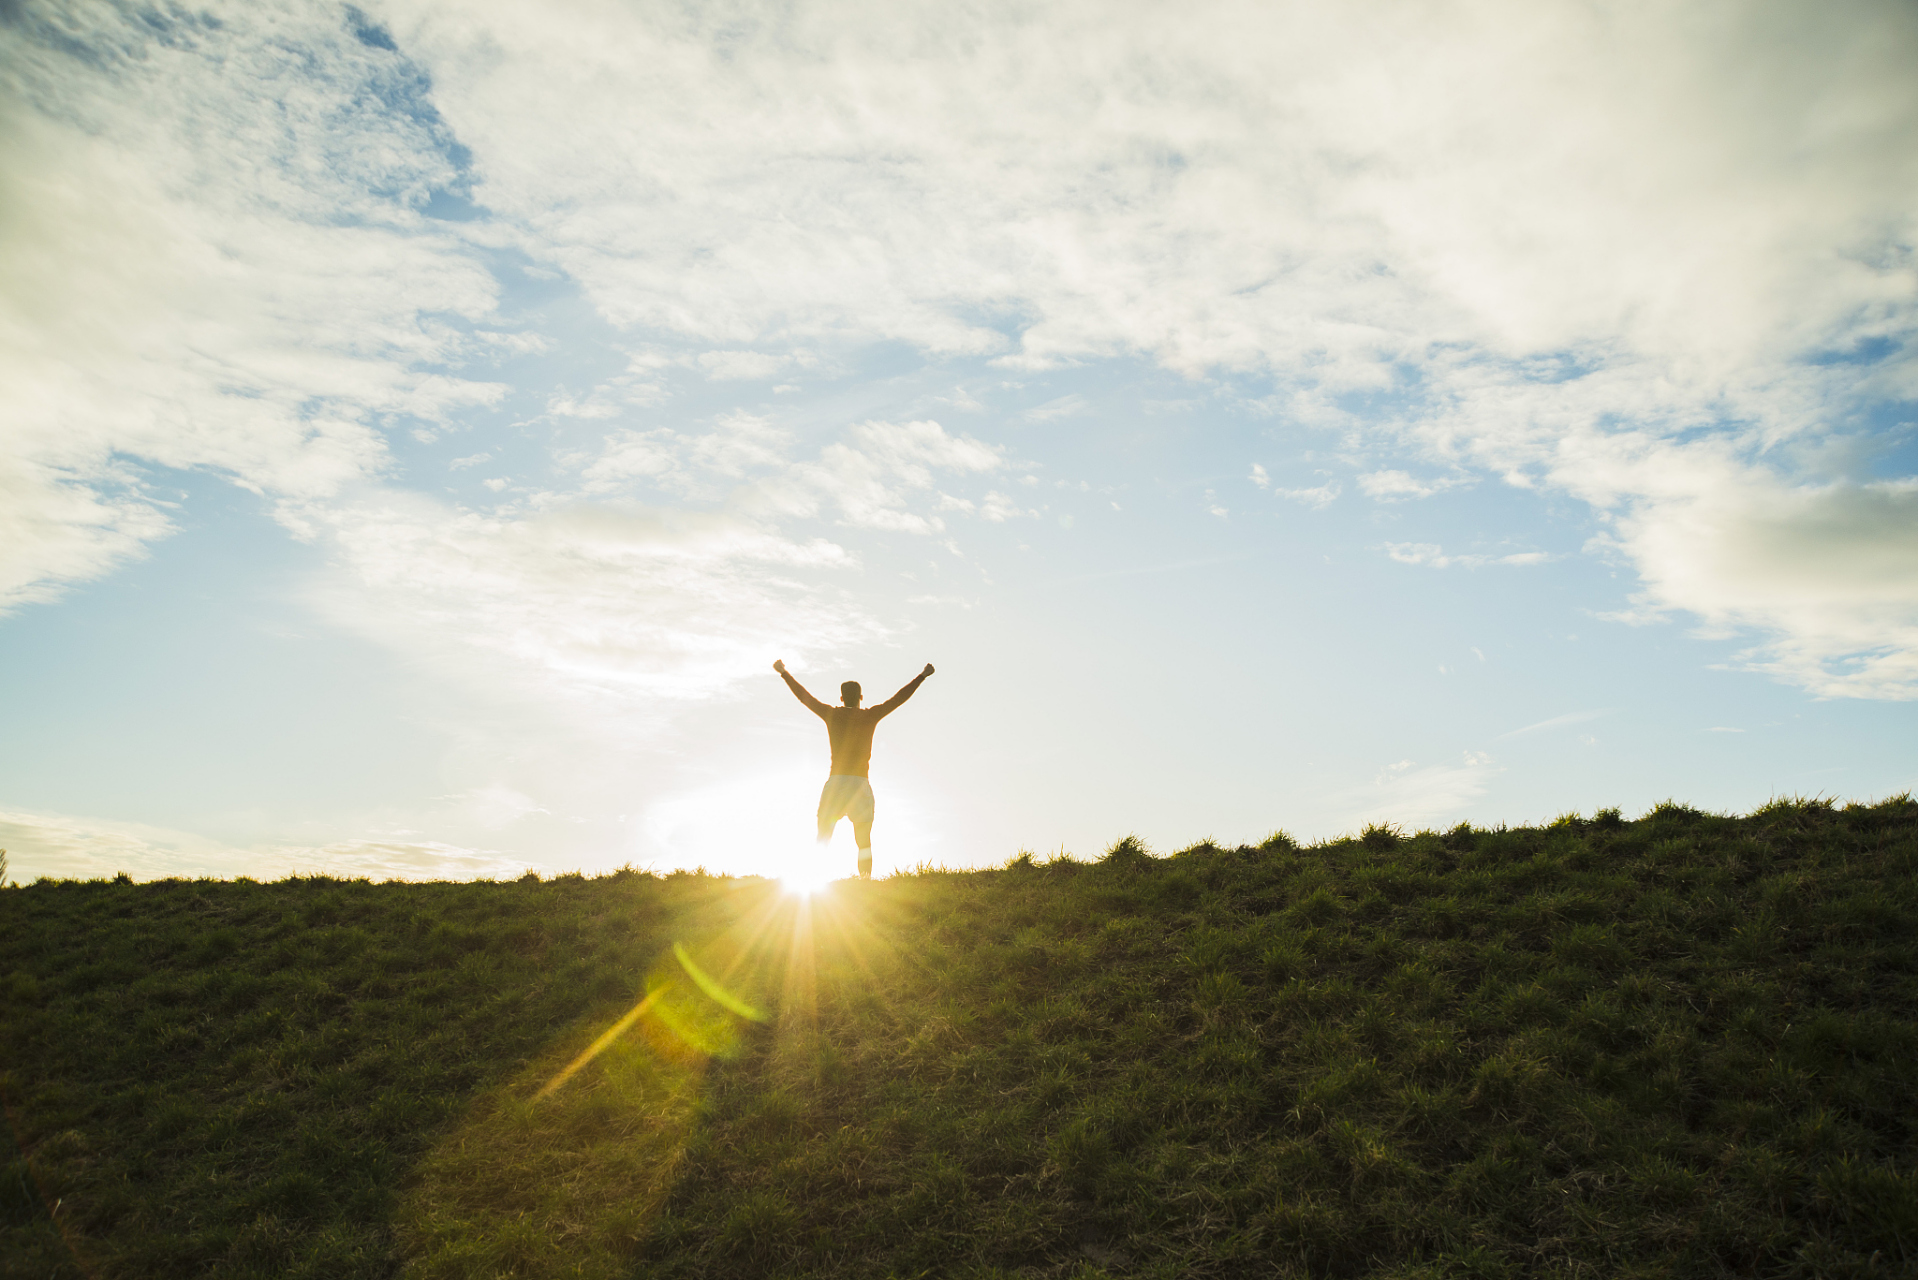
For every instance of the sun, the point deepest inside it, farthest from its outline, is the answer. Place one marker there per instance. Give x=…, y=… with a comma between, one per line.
x=807, y=873
x=805, y=882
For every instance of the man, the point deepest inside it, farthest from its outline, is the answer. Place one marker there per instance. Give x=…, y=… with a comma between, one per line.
x=848, y=793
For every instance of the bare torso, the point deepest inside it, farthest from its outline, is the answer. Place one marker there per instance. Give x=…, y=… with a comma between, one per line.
x=850, y=731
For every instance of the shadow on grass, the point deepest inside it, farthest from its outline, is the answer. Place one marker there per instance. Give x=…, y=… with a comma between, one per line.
x=564, y=1169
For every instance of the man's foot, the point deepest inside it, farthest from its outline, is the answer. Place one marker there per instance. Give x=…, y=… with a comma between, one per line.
x=865, y=866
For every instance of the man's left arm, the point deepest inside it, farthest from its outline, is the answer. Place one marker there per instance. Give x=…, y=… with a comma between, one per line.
x=813, y=704
x=898, y=700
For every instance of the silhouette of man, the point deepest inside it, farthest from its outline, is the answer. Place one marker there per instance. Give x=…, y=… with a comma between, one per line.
x=848, y=793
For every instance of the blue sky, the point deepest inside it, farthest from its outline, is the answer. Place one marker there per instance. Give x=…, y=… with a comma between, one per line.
x=428, y=422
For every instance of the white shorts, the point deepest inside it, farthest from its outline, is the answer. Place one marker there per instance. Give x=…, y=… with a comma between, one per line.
x=845, y=796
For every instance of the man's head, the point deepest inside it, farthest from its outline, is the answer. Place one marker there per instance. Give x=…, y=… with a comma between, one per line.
x=849, y=693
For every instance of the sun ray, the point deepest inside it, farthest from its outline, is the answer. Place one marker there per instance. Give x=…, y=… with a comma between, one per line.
x=845, y=921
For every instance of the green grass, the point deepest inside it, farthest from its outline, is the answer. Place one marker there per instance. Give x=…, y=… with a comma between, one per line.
x=1683, y=1045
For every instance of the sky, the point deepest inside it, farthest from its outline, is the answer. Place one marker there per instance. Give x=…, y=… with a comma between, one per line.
x=425, y=423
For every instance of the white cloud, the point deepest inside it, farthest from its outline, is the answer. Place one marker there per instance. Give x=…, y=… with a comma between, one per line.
x=749, y=366
x=182, y=285
x=579, y=602
x=60, y=847
x=1430, y=553
x=999, y=508
x=1606, y=251
x=566, y=405
x=57, y=528
x=962, y=400
x=1061, y=407
x=693, y=464
x=1828, y=570
x=1387, y=486
x=873, y=475
x=879, y=469
x=575, y=603
x=1567, y=222
x=1536, y=177
x=1319, y=497
x=630, y=456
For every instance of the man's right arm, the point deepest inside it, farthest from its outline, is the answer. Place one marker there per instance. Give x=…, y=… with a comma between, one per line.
x=813, y=704
x=897, y=700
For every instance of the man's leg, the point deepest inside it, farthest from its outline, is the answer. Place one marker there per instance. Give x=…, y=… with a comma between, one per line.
x=862, y=833
x=832, y=807
x=859, y=809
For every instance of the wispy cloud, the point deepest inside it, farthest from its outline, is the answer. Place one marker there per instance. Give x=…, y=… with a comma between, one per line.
x=1320, y=496
x=1556, y=722
x=1429, y=553
x=1388, y=486
x=1175, y=566
x=751, y=366
x=60, y=847
x=583, y=601
x=876, y=472
x=1051, y=410
x=1411, y=793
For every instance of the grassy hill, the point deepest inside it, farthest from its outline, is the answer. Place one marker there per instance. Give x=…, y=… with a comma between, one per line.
x=1682, y=1045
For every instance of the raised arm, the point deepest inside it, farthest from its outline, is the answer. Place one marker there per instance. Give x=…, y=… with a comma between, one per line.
x=813, y=704
x=897, y=700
